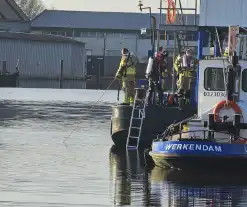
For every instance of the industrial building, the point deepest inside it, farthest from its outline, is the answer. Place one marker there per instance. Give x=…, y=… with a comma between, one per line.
x=39, y=56
x=105, y=34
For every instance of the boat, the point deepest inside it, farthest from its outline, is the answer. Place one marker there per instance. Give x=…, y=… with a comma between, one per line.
x=138, y=125
x=9, y=79
x=216, y=139
x=154, y=119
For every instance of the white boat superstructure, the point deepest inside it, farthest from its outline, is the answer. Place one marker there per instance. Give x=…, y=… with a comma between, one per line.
x=222, y=92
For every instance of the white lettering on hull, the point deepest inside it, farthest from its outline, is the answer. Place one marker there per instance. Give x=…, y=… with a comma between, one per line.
x=194, y=147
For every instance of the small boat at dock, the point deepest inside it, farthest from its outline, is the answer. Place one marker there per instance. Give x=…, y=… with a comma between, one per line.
x=9, y=79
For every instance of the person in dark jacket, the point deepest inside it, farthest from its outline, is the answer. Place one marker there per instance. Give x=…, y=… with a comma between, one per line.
x=159, y=66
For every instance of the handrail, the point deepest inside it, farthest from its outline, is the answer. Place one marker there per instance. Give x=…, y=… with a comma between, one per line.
x=202, y=130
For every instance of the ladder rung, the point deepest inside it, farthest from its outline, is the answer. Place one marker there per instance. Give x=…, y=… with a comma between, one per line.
x=133, y=137
x=132, y=146
x=138, y=108
x=136, y=118
x=135, y=128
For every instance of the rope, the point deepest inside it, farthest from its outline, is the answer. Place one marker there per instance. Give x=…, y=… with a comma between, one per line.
x=167, y=131
x=69, y=135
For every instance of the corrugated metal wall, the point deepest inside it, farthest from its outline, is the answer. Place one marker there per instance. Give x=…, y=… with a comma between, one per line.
x=42, y=59
x=111, y=44
x=223, y=13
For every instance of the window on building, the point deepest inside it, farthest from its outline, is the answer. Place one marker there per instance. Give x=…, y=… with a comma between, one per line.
x=214, y=79
x=244, y=80
x=162, y=36
x=112, y=34
x=89, y=34
x=127, y=35
x=84, y=34
x=61, y=33
x=69, y=34
x=46, y=32
x=100, y=34
x=189, y=37
x=77, y=33
x=170, y=37
x=92, y=34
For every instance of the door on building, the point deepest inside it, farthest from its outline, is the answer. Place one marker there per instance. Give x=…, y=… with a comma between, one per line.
x=95, y=68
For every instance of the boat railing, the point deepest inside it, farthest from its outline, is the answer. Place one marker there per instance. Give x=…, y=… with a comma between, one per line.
x=207, y=135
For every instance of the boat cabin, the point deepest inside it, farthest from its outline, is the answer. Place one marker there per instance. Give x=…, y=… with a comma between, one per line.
x=220, y=81
x=212, y=87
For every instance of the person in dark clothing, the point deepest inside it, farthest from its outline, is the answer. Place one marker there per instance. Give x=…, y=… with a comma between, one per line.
x=159, y=66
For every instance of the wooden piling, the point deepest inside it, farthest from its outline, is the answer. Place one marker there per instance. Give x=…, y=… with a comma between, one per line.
x=4, y=66
x=61, y=75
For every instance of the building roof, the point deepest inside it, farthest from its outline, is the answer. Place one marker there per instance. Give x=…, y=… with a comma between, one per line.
x=9, y=6
x=37, y=37
x=96, y=20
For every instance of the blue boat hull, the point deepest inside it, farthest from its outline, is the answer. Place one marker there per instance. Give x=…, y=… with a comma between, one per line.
x=199, y=155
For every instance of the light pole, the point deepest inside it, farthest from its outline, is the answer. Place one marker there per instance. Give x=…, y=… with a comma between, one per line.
x=140, y=5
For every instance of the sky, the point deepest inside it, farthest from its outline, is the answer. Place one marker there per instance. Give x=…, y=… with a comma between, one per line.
x=109, y=5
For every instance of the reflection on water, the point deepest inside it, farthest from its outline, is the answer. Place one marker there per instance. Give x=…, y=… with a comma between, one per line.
x=37, y=170
x=134, y=186
x=188, y=189
x=129, y=179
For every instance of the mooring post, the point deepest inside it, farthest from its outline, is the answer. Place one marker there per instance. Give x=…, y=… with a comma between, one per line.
x=61, y=75
x=4, y=66
x=17, y=66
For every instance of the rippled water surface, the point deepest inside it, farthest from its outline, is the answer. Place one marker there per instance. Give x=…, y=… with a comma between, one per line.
x=37, y=169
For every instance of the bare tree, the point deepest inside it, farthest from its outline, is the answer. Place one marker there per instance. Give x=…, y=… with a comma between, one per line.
x=31, y=7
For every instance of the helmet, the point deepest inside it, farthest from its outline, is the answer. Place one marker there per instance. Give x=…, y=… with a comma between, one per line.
x=160, y=48
x=188, y=50
x=124, y=51
x=164, y=53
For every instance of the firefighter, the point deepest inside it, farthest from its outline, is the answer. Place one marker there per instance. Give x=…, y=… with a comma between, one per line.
x=126, y=72
x=154, y=76
x=185, y=66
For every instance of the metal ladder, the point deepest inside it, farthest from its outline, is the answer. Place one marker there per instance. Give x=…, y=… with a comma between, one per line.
x=136, y=122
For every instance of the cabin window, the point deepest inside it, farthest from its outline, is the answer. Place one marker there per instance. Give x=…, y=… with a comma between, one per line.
x=214, y=79
x=244, y=80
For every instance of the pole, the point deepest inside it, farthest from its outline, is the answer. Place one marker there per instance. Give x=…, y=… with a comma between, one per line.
x=4, y=63
x=173, y=70
x=151, y=29
x=118, y=90
x=61, y=75
x=158, y=32
x=154, y=30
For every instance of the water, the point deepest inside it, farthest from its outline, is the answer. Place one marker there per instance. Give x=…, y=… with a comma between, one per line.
x=37, y=169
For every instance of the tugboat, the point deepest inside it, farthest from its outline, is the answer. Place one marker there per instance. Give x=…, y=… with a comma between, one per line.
x=217, y=138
